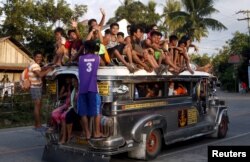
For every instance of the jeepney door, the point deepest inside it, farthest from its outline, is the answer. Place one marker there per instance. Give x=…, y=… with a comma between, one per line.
x=200, y=96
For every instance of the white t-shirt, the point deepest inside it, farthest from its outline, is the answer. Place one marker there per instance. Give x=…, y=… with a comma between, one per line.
x=35, y=80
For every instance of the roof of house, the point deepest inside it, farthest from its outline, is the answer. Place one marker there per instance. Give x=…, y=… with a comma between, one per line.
x=18, y=44
x=26, y=53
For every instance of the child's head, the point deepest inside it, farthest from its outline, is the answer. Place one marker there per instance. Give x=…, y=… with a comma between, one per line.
x=120, y=37
x=182, y=43
x=155, y=36
x=173, y=39
x=114, y=27
x=91, y=46
x=72, y=34
x=92, y=22
x=58, y=33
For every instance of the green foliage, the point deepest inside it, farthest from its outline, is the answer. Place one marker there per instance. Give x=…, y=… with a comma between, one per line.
x=32, y=22
x=136, y=13
x=17, y=110
x=168, y=24
x=196, y=18
x=228, y=73
x=200, y=60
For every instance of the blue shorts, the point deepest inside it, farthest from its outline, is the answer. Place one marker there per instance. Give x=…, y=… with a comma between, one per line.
x=89, y=104
x=36, y=93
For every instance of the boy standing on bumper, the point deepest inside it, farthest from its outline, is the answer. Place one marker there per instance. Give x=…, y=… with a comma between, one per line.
x=88, y=100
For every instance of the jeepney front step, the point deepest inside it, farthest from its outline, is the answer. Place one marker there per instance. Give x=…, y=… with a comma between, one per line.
x=54, y=153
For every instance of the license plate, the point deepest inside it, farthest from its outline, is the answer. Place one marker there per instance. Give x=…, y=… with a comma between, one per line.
x=52, y=87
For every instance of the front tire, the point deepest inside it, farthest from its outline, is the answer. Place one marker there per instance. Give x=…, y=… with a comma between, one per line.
x=153, y=144
x=223, y=127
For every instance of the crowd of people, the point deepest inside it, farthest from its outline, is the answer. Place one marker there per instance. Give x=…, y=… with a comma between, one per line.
x=139, y=50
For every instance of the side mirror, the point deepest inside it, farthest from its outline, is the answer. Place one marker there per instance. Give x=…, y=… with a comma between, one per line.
x=122, y=89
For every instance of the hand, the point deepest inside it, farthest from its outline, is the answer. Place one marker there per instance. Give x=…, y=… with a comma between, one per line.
x=102, y=11
x=74, y=23
x=150, y=50
x=51, y=68
x=97, y=28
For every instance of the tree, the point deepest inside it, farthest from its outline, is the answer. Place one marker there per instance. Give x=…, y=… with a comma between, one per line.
x=32, y=22
x=196, y=18
x=226, y=72
x=168, y=24
x=200, y=60
x=136, y=13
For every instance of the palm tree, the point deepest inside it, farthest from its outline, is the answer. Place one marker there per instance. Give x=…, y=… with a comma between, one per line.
x=151, y=17
x=196, y=18
x=168, y=24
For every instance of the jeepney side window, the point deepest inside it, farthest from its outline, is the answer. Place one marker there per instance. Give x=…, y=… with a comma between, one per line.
x=178, y=88
x=149, y=90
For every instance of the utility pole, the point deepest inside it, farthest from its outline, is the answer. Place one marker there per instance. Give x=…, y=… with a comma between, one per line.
x=247, y=13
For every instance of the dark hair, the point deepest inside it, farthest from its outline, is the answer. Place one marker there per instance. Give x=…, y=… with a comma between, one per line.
x=134, y=28
x=121, y=34
x=173, y=37
x=71, y=31
x=151, y=26
x=182, y=41
x=91, y=46
x=128, y=26
x=113, y=24
x=155, y=33
x=35, y=53
x=90, y=21
x=59, y=30
x=107, y=31
x=185, y=38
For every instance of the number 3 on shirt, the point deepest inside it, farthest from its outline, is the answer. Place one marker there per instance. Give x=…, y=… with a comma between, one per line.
x=89, y=67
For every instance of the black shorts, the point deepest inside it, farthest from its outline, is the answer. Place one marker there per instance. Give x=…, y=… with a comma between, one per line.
x=72, y=117
x=119, y=48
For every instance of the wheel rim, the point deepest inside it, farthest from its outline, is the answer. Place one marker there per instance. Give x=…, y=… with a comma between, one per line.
x=152, y=143
x=223, y=126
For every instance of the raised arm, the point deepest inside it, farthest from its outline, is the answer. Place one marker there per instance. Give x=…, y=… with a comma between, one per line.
x=103, y=18
x=74, y=26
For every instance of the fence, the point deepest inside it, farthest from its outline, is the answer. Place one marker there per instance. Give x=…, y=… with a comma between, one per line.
x=16, y=109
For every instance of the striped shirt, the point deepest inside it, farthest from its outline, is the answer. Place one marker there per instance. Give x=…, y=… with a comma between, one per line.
x=35, y=80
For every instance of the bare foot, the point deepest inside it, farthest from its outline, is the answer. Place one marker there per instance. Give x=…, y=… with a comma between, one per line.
x=190, y=70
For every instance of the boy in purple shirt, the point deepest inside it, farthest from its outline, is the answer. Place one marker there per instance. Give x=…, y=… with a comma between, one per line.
x=89, y=99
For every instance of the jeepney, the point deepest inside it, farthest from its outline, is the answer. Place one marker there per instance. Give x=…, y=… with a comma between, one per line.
x=135, y=123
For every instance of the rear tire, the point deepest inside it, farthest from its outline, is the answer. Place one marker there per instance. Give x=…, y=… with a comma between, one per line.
x=153, y=144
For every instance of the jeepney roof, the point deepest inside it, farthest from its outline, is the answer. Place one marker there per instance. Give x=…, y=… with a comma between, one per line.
x=118, y=71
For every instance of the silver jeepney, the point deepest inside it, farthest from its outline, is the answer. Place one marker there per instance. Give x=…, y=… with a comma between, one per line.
x=139, y=126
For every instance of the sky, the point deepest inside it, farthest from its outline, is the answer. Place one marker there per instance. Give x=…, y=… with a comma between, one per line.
x=215, y=40
x=211, y=44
